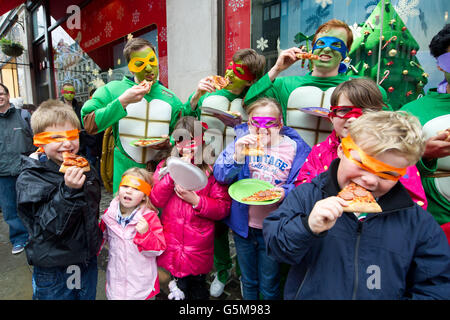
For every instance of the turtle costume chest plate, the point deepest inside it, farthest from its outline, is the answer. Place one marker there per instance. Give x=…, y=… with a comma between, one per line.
x=217, y=128
x=311, y=128
x=144, y=120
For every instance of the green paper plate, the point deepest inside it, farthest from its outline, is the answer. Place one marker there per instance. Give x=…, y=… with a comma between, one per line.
x=246, y=187
x=160, y=140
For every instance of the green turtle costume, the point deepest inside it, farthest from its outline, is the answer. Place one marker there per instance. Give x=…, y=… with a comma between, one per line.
x=153, y=116
x=433, y=111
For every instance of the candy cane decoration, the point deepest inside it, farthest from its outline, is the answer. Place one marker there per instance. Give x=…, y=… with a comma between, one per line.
x=393, y=38
x=386, y=74
x=415, y=64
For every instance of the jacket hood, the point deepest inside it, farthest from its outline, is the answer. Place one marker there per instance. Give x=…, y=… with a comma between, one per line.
x=396, y=199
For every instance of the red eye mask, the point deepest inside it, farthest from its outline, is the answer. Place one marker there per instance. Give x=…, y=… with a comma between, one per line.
x=248, y=76
x=353, y=112
x=67, y=92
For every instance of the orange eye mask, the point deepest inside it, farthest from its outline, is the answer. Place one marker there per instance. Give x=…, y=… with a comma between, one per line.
x=47, y=137
x=369, y=163
x=136, y=183
x=135, y=66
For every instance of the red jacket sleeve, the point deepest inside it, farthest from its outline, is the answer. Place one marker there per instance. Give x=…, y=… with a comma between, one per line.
x=152, y=242
x=162, y=189
x=215, y=205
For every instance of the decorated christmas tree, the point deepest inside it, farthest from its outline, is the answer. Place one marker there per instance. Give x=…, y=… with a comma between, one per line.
x=400, y=72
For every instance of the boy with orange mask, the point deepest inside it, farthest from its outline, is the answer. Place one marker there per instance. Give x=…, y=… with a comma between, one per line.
x=60, y=211
x=400, y=253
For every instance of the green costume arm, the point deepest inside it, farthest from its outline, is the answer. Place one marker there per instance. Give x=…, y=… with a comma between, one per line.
x=426, y=167
x=262, y=88
x=107, y=109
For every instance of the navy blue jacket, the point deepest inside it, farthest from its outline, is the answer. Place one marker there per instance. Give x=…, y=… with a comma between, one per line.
x=227, y=171
x=401, y=253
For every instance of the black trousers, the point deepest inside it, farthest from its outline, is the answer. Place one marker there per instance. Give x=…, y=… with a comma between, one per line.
x=194, y=287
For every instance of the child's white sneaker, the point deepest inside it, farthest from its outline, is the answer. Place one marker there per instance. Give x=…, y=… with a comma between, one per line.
x=217, y=287
x=175, y=292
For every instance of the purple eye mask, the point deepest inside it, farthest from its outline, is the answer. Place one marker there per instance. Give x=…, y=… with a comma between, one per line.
x=443, y=61
x=261, y=122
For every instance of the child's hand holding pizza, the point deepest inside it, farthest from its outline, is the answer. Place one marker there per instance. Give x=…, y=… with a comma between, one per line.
x=325, y=213
x=74, y=177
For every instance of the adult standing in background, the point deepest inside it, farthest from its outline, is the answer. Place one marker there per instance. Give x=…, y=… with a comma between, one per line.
x=87, y=141
x=16, y=138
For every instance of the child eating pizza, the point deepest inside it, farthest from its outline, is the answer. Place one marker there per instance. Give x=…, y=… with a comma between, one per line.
x=399, y=253
x=284, y=152
x=59, y=210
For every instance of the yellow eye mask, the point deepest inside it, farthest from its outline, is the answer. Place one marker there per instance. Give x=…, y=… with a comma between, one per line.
x=47, y=137
x=136, y=183
x=135, y=63
x=369, y=163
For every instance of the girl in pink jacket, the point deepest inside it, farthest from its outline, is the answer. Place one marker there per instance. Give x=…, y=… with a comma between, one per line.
x=135, y=236
x=188, y=217
x=349, y=101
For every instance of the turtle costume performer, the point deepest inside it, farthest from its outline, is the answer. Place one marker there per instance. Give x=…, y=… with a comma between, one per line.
x=136, y=109
x=331, y=44
x=246, y=67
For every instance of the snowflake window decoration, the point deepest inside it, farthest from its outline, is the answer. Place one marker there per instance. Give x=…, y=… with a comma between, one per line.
x=135, y=18
x=324, y=3
x=261, y=44
x=108, y=29
x=407, y=9
x=236, y=4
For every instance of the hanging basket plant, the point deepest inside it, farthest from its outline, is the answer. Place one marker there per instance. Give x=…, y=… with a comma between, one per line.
x=11, y=48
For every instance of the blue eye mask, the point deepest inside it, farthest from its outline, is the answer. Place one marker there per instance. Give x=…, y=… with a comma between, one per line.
x=328, y=42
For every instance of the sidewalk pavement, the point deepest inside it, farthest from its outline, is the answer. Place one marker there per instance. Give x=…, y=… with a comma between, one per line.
x=15, y=273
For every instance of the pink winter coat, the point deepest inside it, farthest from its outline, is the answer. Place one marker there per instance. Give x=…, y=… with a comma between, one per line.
x=189, y=232
x=321, y=155
x=132, y=273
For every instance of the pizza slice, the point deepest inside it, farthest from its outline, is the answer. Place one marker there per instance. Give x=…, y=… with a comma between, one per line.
x=146, y=142
x=447, y=131
x=146, y=84
x=359, y=199
x=254, y=151
x=264, y=195
x=74, y=160
x=220, y=82
x=307, y=55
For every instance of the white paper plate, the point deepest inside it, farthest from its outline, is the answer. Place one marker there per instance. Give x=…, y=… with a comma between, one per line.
x=186, y=175
x=217, y=112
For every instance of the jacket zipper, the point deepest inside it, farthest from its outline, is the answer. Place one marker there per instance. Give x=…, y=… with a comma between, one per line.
x=301, y=285
x=358, y=238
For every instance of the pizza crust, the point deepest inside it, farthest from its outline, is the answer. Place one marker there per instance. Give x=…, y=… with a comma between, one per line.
x=263, y=195
x=64, y=168
x=253, y=152
x=363, y=207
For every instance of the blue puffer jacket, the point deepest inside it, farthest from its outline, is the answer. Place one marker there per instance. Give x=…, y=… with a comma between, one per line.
x=227, y=171
x=401, y=253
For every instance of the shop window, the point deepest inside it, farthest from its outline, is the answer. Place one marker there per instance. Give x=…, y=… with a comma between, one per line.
x=9, y=78
x=38, y=20
x=405, y=68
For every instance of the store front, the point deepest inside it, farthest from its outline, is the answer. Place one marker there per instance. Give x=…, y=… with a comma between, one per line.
x=86, y=50
x=400, y=30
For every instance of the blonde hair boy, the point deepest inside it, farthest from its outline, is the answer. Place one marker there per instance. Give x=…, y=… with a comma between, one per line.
x=381, y=131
